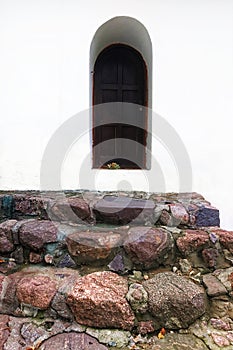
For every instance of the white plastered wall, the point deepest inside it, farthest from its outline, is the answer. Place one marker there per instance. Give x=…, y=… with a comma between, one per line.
x=44, y=69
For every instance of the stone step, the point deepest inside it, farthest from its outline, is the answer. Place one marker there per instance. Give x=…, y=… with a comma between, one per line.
x=122, y=248
x=117, y=208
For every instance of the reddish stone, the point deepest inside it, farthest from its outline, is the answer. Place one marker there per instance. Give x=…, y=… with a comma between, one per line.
x=27, y=205
x=214, y=286
x=210, y=256
x=6, y=237
x=230, y=278
x=72, y=341
x=35, y=258
x=193, y=240
x=36, y=290
x=8, y=300
x=220, y=340
x=98, y=300
x=4, y=330
x=147, y=246
x=179, y=214
x=73, y=209
x=35, y=234
x=92, y=246
x=166, y=218
x=218, y=323
x=145, y=327
x=1, y=281
x=123, y=210
x=225, y=238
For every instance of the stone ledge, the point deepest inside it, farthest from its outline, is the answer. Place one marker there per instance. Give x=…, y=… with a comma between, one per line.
x=170, y=209
x=142, y=247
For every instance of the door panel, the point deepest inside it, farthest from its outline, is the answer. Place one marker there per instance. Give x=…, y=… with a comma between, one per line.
x=119, y=76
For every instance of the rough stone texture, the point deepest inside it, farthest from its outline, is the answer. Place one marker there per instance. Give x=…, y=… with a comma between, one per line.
x=66, y=261
x=147, y=246
x=206, y=215
x=98, y=300
x=214, y=286
x=29, y=205
x=199, y=255
x=117, y=264
x=137, y=296
x=174, y=301
x=71, y=209
x=225, y=238
x=6, y=237
x=123, y=210
x=176, y=341
x=179, y=215
x=35, y=258
x=111, y=337
x=221, y=307
x=60, y=306
x=210, y=256
x=35, y=234
x=4, y=330
x=72, y=341
x=214, y=338
x=221, y=324
x=28, y=333
x=193, y=240
x=36, y=290
x=31, y=332
x=166, y=218
x=220, y=340
x=92, y=246
x=68, y=279
x=8, y=301
x=225, y=276
x=6, y=206
x=145, y=327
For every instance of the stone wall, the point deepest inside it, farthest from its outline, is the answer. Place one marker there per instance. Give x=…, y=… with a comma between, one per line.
x=116, y=269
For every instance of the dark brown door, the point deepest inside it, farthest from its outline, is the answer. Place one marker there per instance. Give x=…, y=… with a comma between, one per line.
x=119, y=76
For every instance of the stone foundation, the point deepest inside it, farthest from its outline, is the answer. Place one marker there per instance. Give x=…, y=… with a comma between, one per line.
x=131, y=270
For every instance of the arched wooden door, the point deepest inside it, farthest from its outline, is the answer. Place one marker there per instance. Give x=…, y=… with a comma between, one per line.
x=119, y=76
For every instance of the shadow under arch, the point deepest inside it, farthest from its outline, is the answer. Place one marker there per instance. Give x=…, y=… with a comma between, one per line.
x=122, y=30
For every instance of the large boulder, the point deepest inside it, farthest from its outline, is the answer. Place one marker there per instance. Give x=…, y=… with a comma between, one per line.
x=148, y=247
x=98, y=300
x=174, y=301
